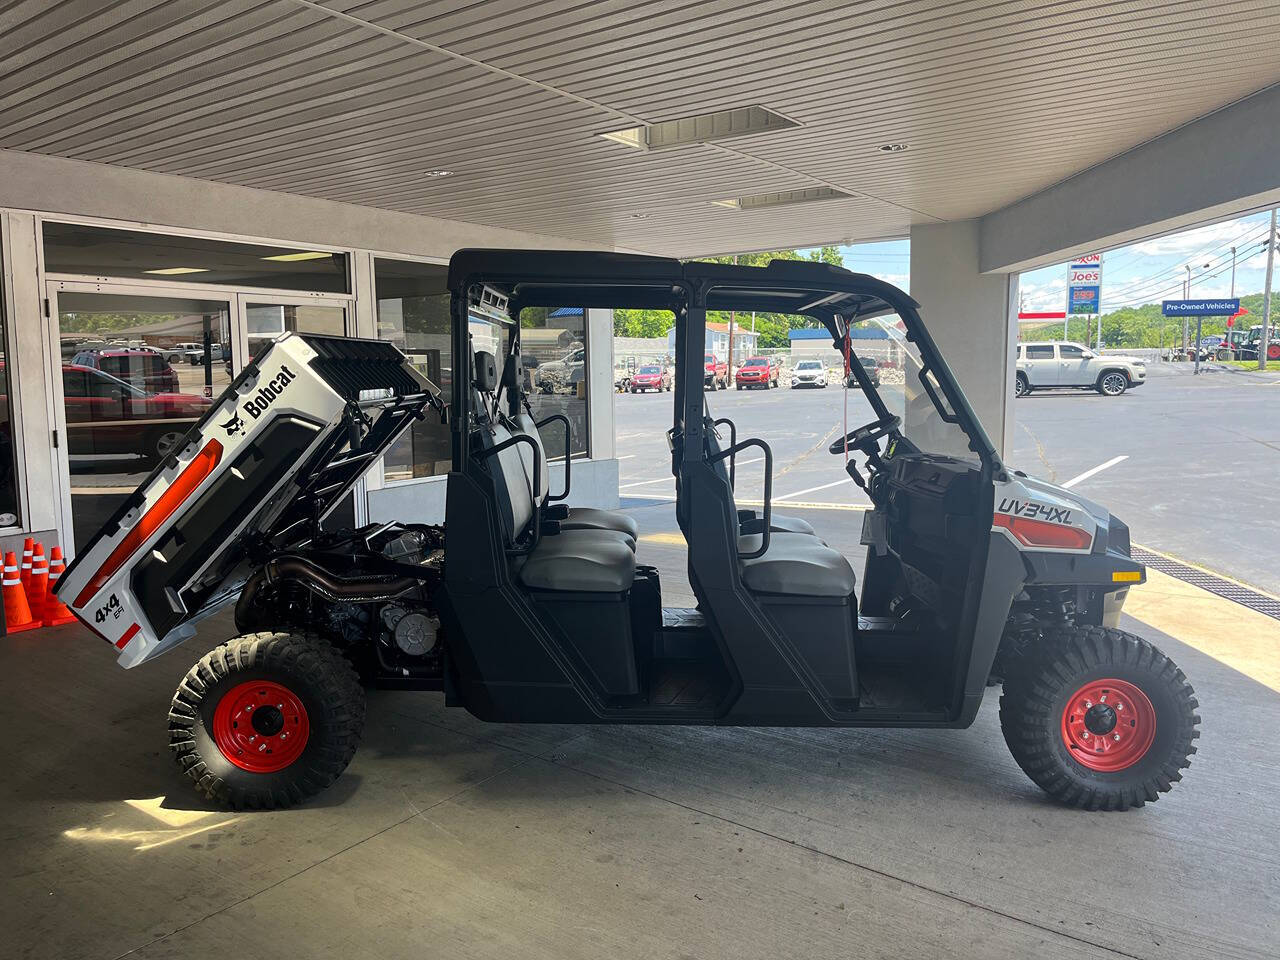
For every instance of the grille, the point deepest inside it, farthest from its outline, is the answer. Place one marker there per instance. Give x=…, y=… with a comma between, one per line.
x=1227, y=589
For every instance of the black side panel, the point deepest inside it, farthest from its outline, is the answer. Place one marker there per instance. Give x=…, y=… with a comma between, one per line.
x=596, y=627
x=822, y=631
x=210, y=521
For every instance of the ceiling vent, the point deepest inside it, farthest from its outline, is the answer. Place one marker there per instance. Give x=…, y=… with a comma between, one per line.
x=740, y=122
x=811, y=195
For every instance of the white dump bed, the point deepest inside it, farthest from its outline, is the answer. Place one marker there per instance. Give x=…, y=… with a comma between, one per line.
x=269, y=459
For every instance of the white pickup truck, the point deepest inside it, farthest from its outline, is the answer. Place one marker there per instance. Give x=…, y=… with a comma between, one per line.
x=1069, y=365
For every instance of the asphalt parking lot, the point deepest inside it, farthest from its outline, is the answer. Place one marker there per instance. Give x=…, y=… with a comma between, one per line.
x=1194, y=461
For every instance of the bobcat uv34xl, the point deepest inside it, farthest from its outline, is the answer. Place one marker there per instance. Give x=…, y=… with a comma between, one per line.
x=520, y=608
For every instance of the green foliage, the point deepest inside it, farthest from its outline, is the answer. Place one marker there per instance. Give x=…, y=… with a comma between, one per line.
x=1145, y=326
x=772, y=327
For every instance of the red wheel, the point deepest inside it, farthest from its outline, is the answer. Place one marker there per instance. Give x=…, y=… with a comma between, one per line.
x=260, y=726
x=1273, y=351
x=1108, y=725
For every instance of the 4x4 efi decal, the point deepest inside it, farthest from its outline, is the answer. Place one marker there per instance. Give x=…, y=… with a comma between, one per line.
x=1036, y=511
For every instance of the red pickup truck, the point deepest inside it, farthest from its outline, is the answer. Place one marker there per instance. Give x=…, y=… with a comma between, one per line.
x=716, y=373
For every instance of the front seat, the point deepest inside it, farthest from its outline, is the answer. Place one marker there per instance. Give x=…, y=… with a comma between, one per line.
x=748, y=519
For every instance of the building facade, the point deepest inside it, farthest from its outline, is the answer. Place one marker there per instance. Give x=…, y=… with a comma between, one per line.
x=118, y=330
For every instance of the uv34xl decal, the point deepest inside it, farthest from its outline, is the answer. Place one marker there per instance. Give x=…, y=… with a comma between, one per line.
x=1034, y=511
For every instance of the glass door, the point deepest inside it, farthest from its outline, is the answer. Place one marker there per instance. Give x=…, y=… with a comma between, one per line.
x=265, y=317
x=137, y=368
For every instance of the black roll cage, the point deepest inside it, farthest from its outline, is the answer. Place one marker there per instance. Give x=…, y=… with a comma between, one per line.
x=498, y=284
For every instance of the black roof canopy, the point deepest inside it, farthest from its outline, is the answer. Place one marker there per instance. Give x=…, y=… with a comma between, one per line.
x=599, y=279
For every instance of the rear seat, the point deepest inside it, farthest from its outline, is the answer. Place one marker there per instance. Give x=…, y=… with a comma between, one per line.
x=569, y=518
x=588, y=560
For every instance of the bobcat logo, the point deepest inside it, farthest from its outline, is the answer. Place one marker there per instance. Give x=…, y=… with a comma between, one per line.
x=234, y=425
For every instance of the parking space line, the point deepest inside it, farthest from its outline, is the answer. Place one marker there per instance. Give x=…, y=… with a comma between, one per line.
x=1098, y=469
x=641, y=483
x=825, y=486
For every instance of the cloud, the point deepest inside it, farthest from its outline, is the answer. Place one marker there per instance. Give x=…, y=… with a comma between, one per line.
x=1201, y=239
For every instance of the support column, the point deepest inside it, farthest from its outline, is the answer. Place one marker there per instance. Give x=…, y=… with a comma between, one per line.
x=972, y=316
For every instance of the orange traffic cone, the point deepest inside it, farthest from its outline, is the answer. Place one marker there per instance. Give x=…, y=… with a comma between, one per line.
x=17, y=615
x=38, y=585
x=55, y=611
x=26, y=561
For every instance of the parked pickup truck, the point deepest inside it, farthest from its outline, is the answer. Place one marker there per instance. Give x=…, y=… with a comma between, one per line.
x=716, y=373
x=1051, y=365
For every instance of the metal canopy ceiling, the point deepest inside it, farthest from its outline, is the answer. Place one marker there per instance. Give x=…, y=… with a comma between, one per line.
x=356, y=100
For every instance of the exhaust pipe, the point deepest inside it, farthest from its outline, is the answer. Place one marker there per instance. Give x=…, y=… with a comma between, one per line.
x=322, y=583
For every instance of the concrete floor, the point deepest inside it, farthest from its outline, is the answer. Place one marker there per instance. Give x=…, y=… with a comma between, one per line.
x=451, y=837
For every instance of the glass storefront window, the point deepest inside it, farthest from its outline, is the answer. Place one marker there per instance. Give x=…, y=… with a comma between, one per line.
x=266, y=321
x=136, y=255
x=553, y=347
x=413, y=313
x=137, y=373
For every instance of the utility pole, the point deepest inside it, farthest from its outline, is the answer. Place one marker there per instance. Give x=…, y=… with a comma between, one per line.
x=1186, y=321
x=1265, y=339
x=733, y=315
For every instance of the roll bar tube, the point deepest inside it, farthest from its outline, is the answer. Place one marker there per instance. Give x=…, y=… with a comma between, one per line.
x=733, y=440
x=535, y=480
x=568, y=453
x=768, y=489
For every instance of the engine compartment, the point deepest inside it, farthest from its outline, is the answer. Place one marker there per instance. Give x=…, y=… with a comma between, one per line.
x=370, y=591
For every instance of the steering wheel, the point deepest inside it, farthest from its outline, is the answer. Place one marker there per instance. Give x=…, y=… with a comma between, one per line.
x=866, y=435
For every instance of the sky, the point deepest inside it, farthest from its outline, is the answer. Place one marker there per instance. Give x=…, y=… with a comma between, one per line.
x=1145, y=272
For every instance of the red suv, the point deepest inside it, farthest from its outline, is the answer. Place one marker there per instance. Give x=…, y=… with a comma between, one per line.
x=143, y=368
x=717, y=373
x=650, y=377
x=756, y=372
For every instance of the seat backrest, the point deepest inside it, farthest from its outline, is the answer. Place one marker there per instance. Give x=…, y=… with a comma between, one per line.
x=512, y=479
x=511, y=483
x=524, y=424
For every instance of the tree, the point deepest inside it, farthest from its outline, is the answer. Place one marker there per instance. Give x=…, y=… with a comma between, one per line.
x=771, y=327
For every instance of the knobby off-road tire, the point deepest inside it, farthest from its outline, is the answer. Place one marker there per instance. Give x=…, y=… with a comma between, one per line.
x=1054, y=710
x=266, y=720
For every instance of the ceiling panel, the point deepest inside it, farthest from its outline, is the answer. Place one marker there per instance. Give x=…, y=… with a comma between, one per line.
x=357, y=100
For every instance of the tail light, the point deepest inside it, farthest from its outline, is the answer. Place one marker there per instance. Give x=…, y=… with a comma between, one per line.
x=1040, y=533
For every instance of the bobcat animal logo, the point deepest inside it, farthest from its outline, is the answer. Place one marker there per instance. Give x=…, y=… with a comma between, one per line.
x=234, y=425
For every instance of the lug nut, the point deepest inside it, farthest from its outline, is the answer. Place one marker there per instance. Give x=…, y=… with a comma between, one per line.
x=1085, y=734
x=1116, y=737
x=1088, y=703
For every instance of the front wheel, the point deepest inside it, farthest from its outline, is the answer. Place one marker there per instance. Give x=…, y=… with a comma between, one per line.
x=266, y=720
x=1099, y=718
x=1020, y=386
x=1113, y=384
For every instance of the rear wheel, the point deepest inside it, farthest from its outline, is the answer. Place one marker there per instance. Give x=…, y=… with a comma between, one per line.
x=266, y=720
x=1273, y=351
x=1113, y=383
x=1099, y=718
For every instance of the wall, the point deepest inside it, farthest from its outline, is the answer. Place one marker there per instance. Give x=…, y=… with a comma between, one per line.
x=972, y=317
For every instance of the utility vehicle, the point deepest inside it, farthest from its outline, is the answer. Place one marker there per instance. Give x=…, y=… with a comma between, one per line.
x=520, y=608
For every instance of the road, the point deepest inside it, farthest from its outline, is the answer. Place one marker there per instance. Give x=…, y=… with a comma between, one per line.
x=1192, y=464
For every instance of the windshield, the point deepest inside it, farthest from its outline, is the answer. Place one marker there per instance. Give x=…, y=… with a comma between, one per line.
x=756, y=362
x=650, y=369
x=809, y=365
x=882, y=342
